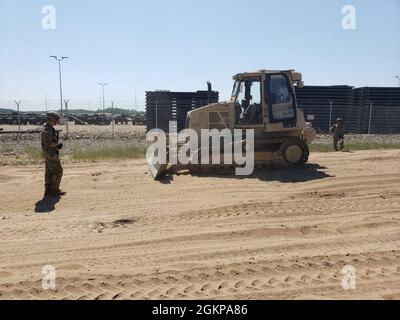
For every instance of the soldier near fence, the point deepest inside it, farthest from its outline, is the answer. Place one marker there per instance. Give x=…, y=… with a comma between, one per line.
x=50, y=149
x=338, y=131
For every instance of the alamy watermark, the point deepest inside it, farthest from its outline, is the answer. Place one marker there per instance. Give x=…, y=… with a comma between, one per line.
x=49, y=279
x=193, y=149
x=349, y=279
x=349, y=20
x=49, y=17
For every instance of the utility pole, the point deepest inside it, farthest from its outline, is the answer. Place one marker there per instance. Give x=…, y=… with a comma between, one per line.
x=66, y=118
x=45, y=101
x=157, y=115
x=112, y=118
x=103, y=85
x=371, y=103
x=330, y=113
x=19, y=118
x=135, y=101
x=59, y=73
x=398, y=81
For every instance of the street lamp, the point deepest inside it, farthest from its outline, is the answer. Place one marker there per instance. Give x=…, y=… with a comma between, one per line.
x=103, y=85
x=330, y=113
x=19, y=117
x=67, y=117
x=59, y=73
x=135, y=101
x=398, y=80
x=371, y=104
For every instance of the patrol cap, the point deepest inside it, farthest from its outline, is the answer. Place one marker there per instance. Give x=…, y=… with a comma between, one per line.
x=53, y=114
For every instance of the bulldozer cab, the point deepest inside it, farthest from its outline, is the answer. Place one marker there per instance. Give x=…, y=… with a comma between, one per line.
x=266, y=99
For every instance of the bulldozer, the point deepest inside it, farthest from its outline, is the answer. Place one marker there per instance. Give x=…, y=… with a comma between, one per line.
x=264, y=101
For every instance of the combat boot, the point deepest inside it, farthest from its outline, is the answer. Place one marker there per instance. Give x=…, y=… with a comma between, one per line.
x=47, y=190
x=58, y=193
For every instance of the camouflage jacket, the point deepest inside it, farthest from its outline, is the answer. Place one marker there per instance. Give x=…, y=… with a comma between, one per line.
x=48, y=136
x=338, y=129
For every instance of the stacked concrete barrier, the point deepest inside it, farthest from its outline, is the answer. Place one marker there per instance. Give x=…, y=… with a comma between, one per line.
x=165, y=106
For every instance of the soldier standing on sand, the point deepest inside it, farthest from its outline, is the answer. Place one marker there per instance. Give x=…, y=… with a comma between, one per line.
x=338, y=131
x=50, y=148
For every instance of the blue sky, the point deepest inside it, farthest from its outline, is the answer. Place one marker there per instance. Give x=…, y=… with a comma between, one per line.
x=179, y=45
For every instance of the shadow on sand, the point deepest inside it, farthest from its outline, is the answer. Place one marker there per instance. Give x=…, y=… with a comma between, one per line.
x=47, y=204
x=309, y=172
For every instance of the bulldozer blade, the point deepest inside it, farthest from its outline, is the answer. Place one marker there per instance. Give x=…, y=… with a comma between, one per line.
x=156, y=169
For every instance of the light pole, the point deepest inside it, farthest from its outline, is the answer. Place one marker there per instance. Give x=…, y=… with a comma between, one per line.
x=45, y=101
x=66, y=117
x=19, y=118
x=398, y=81
x=59, y=73
x=112, y=118
x=157, y=115
x=135, y=101
x=103, y=85
x=371, y=103
x=330, y=114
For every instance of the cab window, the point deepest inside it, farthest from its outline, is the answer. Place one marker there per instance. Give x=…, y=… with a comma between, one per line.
x=281, y=100
x=248, y=102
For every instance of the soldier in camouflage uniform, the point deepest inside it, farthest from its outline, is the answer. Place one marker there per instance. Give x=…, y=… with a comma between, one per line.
x=50, y=149
x=338, y=130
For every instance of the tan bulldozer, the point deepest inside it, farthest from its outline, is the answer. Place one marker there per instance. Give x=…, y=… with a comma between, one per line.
x=264, y=101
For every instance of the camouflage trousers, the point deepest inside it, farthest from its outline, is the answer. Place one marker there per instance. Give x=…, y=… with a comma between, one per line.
x=338, y=142
x=53, y=175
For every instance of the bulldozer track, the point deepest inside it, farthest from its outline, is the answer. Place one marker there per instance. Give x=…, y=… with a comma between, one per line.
x=277, y=161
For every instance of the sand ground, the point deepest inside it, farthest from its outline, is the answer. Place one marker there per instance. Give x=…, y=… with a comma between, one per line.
x=283, y=234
